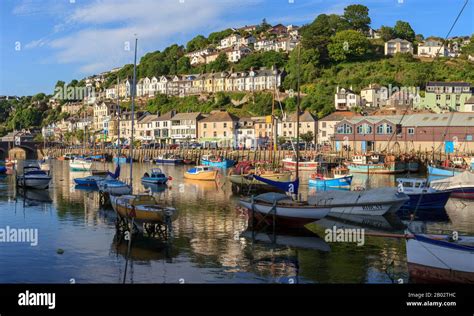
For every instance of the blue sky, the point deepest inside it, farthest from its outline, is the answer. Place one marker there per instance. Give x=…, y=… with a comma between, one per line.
x=42, y=41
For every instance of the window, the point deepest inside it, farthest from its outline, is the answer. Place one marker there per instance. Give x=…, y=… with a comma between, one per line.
x=215, y=134
x=284, y=125
x=364, y=129
x=284, y=134
x=204, y=125
x=225, y=134
x=384, y=129
x=411, y=131
x=324, y=133
x=225, y=125
x=448, y=97
x=289, y=125
x=438, y=97
x=344, y=129
x=214, y=125
x=324, y=125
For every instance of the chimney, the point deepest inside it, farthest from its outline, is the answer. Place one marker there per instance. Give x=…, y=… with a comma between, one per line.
x=337, y=89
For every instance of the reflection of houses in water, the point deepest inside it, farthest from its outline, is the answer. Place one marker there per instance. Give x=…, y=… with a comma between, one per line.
x=144, y=249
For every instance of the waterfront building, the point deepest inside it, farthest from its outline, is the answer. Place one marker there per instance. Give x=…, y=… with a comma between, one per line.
x=162, y=127
x=145, y=128
x=126, y=123
x=246, y=133
x=264, y=130
x=287, y=126
x=346, y=99
x=184, y=127
x=219, y=128
x=327, y=126
x=407, y=133
x=398, y=45
x=445, y=96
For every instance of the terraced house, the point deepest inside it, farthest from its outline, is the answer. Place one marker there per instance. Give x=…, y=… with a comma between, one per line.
x=446, y=96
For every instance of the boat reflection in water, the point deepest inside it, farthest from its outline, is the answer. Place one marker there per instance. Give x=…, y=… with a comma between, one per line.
x=32, y=197
x=155, y=188
x=388, y=222
x=144, y=249
x=304, y=239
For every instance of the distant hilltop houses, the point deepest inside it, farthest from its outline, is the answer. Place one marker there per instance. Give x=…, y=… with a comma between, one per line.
x=429, y=48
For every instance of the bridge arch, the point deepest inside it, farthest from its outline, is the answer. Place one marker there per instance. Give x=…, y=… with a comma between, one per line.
x=22, y=153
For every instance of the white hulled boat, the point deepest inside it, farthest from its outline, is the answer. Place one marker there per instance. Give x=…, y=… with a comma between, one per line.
x=33, y=177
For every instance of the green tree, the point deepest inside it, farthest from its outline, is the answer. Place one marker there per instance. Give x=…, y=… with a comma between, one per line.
x=307, y=137
x=184, y=65
x=220, y=64
x=348, y=45
x=263, y=27
x=197, y=43
x=215, y=37
x=404, y=31
x=386, y=33
x=357, y=16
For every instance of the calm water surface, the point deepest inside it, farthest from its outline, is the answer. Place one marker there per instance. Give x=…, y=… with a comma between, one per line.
x=210, y=244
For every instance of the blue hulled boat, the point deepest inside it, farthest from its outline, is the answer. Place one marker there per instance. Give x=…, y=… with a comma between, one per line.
x=342, y=182
x=92, y=181
x=443, y=171
x=121, y=160
x=213, y=161
x=422, y=197
x=3, y=169
x=156, y=177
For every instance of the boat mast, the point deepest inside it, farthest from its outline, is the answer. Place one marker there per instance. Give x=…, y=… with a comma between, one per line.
x=298, y=116
x=133, y=112
x=119, y=145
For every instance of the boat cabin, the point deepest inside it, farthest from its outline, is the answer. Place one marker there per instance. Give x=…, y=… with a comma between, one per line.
x=200, y=169
x=412, y=185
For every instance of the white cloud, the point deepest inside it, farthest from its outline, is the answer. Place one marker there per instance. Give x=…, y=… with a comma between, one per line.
x=102, y=27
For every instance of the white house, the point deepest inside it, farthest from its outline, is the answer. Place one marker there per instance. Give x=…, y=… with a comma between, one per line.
x=237, y=52
x=346, y=99
x=184, y=127
x=230, y=41
x=432, y=49
x=246, y=133
x=374, y=96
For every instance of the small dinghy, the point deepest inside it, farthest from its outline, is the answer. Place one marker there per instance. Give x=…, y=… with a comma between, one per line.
x=143, y=208
x=203, y=173
x=155, y=177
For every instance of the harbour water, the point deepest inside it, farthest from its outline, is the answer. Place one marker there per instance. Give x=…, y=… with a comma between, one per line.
x=77, y=239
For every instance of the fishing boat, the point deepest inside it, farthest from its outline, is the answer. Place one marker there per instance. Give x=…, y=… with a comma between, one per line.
x=439, y=258
x=342, y=182
x=376, y=163
x=33, y=177
x=204, y=173
x=443, y=171
x=304, y=164
x=286, y=211
x=422, y=196
x=243, y=180
x=80, y=164
x=121, y=159
x=155, y=177
x=89, y=181
x=169, y=159
x=460, y=185
x=216, y=161
x=143, y=208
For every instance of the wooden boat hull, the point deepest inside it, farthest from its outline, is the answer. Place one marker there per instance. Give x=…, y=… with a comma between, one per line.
x=245, y=180
x=202, y=176
x=439, y=261
x=303, y=165
x=144, y=213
